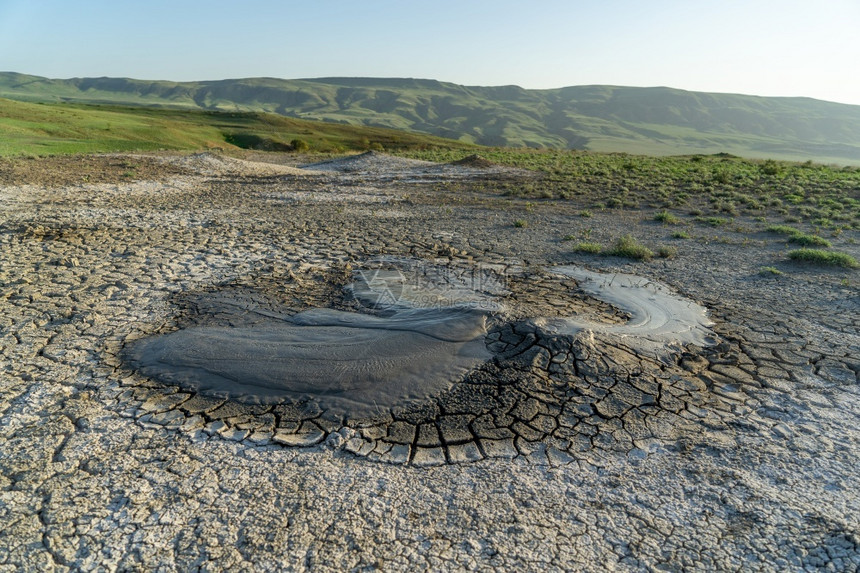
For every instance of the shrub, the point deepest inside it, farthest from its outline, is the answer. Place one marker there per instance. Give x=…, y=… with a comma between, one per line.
x=667, y=218
x=764, y=271
x=667, y=252
x=680, y=235
x=827, y=258
x=590, y=248
x=627, y=246
x=798, y=237
x=520, y=224
x=299, y=145
x=770, y=167
x=782, y=230
x=713, y=221
x=253, y=141
x=722, y=177
x=809, y=240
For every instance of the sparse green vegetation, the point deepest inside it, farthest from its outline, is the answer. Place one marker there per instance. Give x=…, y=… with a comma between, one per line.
x=770, y=167
x=299, y=145
x=681, y=185
x=680, y=235
x=765, y=271
x=628, y=246
x=667, y=218
x=798, y=237
x=809, y=240
x=713, y=221
x=667, y=252
x=826, y=258
x=783, y=230
x=586, y=247
x=520, y=224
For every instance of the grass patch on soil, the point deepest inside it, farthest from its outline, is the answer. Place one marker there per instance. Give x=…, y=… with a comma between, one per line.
x=805, y=240
x=824, y=258
x=799, y=237
x=589, y=248
x=714, y=188
x=667, y=218
x=783, y=230
x=627, y=246
x=667, y=252
x=713, y=221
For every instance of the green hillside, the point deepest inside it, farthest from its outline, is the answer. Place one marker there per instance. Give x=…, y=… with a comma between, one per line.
x=655, y=121
x=46, y=129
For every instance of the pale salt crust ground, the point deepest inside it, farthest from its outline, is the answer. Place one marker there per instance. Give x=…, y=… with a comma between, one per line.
x=743, y=455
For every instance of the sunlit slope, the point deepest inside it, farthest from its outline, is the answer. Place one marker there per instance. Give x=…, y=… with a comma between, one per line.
x=606, y=118
x=42, y=129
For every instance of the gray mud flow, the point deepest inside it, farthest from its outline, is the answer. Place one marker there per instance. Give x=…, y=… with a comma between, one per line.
x=660, y=319
x=349, y=363
x=422, y=339
x=418, y=335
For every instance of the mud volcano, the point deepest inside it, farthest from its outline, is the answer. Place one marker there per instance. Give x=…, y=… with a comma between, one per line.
x=433, y=364
x=407, y=343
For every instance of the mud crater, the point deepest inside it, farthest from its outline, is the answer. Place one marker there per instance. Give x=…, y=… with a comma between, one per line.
x=417, y=361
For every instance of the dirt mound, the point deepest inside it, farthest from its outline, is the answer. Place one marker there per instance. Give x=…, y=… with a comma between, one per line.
x=60, y=170
x=370, y=162
x=384, y=166
x=474, y=160
x=211, y=164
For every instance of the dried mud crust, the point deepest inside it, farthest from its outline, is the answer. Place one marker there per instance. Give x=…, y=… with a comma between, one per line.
x=742, y=455
x=546, y=397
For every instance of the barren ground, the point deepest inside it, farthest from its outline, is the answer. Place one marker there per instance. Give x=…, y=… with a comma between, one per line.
x=558, y=453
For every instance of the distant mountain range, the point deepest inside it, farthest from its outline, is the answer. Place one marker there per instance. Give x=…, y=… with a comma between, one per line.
x=656, y=121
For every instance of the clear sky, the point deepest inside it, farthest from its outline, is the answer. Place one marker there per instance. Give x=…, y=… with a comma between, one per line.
x=759, y=47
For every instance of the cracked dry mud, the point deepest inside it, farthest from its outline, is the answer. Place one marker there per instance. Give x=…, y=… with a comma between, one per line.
x=560, y=449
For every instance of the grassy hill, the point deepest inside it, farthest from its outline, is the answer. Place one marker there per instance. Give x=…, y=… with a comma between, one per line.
x=46, y=129
x=655, y=121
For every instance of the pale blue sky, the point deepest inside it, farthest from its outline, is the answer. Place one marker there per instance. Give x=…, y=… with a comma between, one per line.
x=760, y=47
